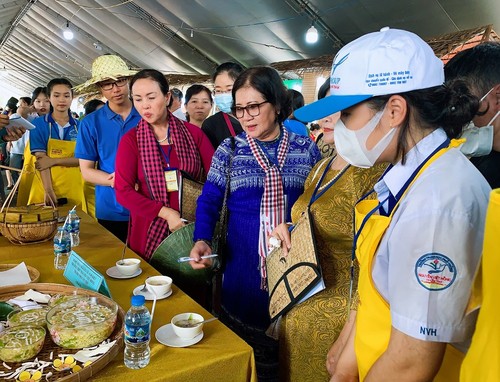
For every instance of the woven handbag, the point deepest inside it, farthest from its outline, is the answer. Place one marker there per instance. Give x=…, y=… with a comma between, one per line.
x=296, y=277
x=189, y=192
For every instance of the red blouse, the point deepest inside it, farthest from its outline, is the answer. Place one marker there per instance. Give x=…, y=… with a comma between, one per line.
x=129, y=173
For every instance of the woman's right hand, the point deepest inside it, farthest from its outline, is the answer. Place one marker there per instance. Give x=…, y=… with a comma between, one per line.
x=282, y=233
x=200, y=248
x=172, y=217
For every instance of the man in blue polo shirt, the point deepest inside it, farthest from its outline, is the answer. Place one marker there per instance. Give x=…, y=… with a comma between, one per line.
x=99, y=136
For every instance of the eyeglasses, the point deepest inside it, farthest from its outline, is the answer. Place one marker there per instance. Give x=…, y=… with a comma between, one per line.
x=252, y=110
x=120, y=82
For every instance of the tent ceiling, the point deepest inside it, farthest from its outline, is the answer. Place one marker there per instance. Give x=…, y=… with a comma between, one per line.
x=193, y=36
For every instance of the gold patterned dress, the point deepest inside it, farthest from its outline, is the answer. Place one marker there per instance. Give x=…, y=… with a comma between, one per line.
x=310, y=328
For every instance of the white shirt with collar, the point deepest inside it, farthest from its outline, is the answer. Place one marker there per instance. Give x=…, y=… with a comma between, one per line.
x=179, y=114
x=427, y=258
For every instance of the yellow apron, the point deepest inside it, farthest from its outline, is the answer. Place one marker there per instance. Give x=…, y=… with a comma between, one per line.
x=373, y=319
x=67, y=182
x=482, y=362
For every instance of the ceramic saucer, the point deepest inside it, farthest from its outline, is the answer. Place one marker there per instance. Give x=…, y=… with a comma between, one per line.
x=166, y=336
x=115, y=273
x=148, y=295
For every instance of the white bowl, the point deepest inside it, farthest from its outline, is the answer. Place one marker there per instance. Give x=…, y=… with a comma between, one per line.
x=187, y=332
x=128, y=267
x=159, y=285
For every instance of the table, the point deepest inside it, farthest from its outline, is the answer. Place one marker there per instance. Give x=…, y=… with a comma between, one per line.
x=220, y=356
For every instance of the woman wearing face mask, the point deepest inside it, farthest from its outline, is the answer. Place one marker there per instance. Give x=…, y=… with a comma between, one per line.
x=331, y=189
x=266, y=176
x=480, y=67
x=222, y=125
x=419, y=245
x=198, y=103
x=52, y=144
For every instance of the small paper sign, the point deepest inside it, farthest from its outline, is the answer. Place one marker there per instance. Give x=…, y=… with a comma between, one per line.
x=83, y=275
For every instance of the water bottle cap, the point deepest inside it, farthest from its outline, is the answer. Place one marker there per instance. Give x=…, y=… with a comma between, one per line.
x=138, y=300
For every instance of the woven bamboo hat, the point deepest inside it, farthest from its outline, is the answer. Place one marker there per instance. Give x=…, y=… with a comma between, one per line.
x=104, y=68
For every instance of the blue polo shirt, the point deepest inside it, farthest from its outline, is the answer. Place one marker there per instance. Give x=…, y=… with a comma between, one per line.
x=39, y=137
x=99, y=135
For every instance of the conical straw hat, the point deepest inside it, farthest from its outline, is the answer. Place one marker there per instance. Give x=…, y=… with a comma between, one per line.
x=104, y=68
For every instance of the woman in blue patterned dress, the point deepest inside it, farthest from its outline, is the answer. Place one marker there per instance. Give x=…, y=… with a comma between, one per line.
x=267, y=175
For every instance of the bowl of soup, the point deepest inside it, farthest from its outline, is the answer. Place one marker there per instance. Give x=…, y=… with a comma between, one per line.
x=187, y=325
x=128, y=267
x=159, y=285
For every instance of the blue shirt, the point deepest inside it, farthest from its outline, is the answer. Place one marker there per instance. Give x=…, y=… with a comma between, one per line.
x=39, y=137
x=98, y=139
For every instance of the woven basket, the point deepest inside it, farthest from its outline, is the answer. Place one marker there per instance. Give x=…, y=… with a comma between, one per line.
x=29, y=224
x=33, y=272
x=9, y=292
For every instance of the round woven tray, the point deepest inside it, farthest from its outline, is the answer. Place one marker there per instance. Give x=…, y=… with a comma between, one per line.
x=33, y=272
x=9, y=292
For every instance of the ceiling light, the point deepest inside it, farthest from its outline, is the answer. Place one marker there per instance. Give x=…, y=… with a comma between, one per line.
x=312, y=35
x=97, y=46
x=68, y=33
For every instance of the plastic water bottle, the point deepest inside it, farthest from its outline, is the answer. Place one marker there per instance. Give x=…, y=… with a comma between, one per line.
x=62, y=248
x=74, y=228
x=137, y=334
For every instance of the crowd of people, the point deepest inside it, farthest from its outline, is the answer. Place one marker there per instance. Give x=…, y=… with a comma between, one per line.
x=395, y=162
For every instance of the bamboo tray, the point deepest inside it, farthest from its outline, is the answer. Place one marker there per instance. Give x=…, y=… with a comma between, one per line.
x=33, y=272
x=85, y=373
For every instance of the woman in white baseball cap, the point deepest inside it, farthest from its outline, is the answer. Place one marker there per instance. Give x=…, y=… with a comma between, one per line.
x=419, y=245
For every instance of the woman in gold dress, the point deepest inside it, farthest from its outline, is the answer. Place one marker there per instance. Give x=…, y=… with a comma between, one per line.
x=309, y=329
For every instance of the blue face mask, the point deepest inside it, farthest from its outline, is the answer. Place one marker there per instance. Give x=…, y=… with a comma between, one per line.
x=224, y=101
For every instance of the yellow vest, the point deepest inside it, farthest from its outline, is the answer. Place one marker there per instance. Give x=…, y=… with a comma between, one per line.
x=373, y=319
x=482, y=362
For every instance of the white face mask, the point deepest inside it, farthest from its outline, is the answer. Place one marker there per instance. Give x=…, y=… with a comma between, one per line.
x=351, y=144
x=479, y=139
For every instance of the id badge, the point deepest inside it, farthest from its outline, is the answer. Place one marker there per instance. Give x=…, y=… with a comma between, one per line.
x=171, y=180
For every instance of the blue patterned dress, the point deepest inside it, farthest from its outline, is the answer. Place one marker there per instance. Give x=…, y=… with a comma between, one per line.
x=241, y=293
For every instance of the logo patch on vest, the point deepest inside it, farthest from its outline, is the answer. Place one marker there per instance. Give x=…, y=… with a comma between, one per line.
x=435, y=271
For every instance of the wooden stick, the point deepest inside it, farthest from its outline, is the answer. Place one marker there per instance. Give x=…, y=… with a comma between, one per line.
x=11, y=168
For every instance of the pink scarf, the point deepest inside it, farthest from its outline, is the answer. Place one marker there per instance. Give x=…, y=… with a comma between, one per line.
x=272, y=205
x=152, y=162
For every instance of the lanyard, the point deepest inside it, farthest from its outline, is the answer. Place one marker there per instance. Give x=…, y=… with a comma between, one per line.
x=271, y=159
x=166, y=156
x=397, y=197
x=315, y=196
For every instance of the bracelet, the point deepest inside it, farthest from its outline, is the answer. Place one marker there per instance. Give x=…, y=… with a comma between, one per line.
x=207, y=242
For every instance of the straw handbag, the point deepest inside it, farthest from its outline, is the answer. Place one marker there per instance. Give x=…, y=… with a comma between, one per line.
x=189, y=191
x=296, y=277
x=27, y=224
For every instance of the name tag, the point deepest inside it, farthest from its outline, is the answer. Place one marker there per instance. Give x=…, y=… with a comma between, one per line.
x=171, y=180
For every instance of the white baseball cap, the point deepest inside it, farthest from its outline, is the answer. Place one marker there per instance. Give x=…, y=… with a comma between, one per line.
x=391, y=61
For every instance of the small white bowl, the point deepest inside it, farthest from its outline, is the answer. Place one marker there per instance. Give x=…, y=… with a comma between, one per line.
x=128, y=267
x=159, y=285
x=189, y=332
